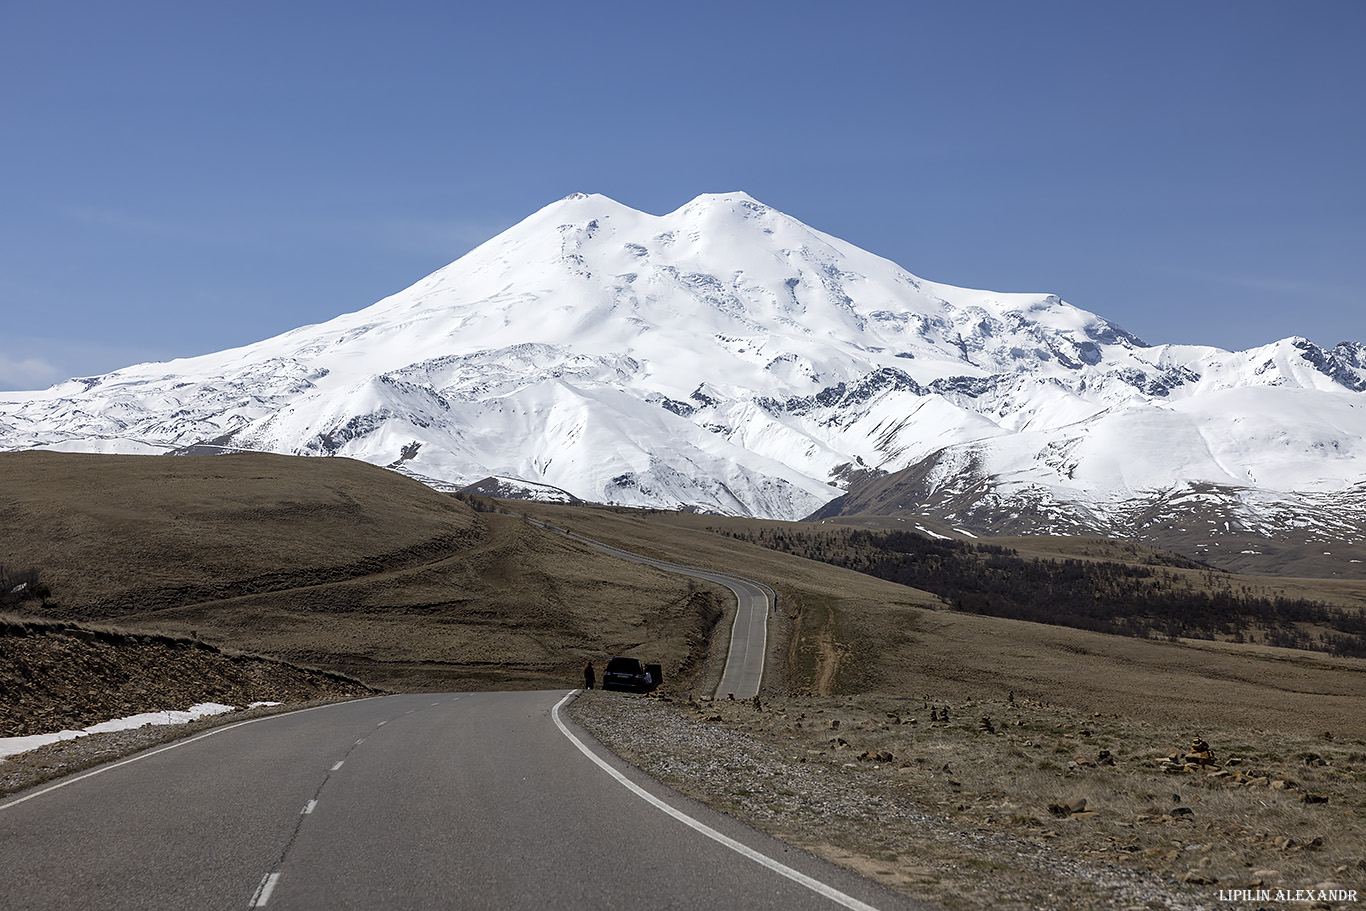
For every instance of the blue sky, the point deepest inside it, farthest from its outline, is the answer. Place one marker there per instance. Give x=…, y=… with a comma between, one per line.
x=185, y=177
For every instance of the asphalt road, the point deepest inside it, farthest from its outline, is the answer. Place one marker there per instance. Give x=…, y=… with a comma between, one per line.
x=748, y=637
x=744, y=670
x=402, y=802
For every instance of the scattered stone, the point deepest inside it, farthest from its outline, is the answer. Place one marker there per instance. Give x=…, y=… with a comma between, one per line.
x=1068, y=807
x=1114, y=839
x=1200, y=753
x=1199, y=879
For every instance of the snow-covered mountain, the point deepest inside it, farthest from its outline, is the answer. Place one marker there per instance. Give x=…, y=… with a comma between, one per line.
x=729, y=358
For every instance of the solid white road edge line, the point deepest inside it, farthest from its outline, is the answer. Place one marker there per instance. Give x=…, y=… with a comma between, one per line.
x=263, y=891
x=763, y=860
x=170, y=746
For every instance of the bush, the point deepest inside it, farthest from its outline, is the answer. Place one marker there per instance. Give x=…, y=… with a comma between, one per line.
x=21, y=585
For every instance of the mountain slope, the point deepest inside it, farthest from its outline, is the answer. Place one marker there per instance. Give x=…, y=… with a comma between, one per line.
x=727, y=357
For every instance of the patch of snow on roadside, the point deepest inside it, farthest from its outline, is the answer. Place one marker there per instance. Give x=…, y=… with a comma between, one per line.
x=12, y=745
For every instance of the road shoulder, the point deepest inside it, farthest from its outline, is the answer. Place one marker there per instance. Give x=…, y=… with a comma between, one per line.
x=851, y=816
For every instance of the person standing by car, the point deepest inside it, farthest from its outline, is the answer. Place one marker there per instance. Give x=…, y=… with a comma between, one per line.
x=588, y=676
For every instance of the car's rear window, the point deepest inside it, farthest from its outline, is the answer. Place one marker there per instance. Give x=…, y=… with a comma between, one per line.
x=623, y=666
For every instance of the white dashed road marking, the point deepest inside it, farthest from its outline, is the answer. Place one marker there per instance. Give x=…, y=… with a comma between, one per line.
x=263, y=891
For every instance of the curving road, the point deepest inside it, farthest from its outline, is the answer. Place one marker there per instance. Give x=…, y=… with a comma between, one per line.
x=487, y=800
x=744, y=670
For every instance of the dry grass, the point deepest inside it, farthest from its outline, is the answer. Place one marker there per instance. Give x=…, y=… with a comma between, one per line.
x=847, y=633
x=1274, y=808
x=351, y=568
x=340, y=565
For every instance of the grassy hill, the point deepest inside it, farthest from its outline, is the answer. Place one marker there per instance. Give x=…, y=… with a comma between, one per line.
x=877, y=695
x=336, y=564
x=844, y=632
x=347, y=567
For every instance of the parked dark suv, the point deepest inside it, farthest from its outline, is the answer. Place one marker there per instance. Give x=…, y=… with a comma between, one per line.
x=630, y=675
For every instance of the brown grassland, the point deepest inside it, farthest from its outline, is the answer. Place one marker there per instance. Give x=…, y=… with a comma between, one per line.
x=349, y=568
x=335, y=564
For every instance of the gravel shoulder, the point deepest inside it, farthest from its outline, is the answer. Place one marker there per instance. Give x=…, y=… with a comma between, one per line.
x=939, y=812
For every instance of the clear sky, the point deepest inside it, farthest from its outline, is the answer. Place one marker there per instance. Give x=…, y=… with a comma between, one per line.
x=181, y=177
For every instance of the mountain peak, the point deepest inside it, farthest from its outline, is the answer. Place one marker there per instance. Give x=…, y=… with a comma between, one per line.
x=588, y=202
x=735, y=197
x=736, y=201
x=727, y=357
